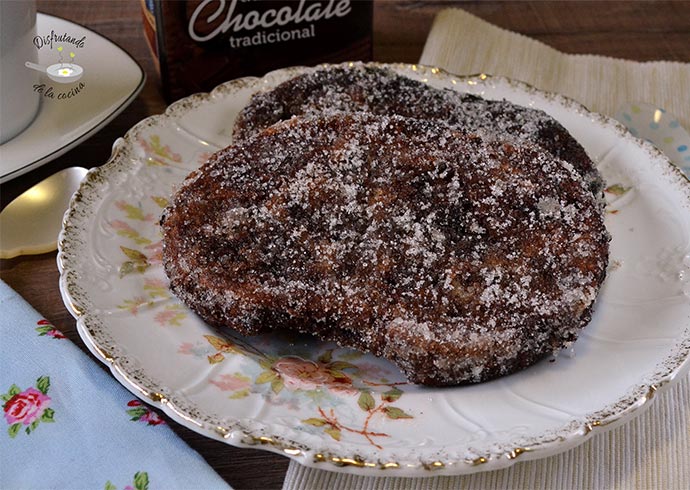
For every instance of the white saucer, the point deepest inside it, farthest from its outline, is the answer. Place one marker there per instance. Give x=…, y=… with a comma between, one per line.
x=112, y=79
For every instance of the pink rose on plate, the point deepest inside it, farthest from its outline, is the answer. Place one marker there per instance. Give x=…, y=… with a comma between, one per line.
x=25, y=407
x=232, y=382
x=298, y=373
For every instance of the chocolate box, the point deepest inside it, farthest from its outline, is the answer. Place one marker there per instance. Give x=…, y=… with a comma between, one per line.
x=198, y=44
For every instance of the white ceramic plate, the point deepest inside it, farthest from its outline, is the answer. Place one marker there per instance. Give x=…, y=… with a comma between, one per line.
x=340, y=410
x=111, y=81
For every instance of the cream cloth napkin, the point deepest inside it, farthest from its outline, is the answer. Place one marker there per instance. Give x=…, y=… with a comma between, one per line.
x=464, y=44
x=651, y=451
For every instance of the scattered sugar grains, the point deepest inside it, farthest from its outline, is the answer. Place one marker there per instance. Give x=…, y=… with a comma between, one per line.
x=459, y=262
x=381, y=91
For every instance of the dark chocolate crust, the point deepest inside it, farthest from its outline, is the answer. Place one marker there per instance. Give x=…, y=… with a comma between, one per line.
x=457, y=258
x=364, y=88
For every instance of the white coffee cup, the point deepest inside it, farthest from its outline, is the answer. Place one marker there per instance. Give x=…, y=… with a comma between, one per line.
x=18, y=101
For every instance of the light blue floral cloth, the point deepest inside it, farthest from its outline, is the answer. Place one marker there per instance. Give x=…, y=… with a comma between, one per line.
x=68, y=424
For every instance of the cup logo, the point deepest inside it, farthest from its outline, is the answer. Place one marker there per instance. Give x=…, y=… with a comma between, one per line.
x=64, y=71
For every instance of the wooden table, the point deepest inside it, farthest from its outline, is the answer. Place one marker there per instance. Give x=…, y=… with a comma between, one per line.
x=633, y=30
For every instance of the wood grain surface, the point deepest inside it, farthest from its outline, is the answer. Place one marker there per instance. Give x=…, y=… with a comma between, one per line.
x=629, y=29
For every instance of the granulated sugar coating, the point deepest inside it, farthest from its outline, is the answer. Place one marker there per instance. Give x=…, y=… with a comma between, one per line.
x=458, y=259
x=381, y=91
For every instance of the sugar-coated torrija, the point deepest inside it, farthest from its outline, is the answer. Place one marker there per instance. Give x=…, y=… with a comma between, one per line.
x=359, y=87
x=458, y=256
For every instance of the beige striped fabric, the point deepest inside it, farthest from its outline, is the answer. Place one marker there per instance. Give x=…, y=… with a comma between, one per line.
x=602, y=84
x=649, y=452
